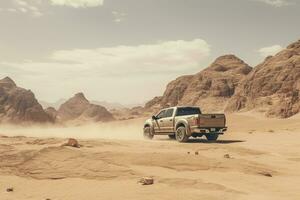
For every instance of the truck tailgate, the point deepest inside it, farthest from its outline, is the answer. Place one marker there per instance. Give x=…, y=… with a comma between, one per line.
x=212, y=120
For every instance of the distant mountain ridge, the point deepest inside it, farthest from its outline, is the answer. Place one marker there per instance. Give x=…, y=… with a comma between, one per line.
x=109, y=105
x=106, y=104
x=55, y=105
x=80, y=109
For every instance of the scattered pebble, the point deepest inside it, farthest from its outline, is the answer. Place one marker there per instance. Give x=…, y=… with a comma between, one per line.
x=227, y=156
x=146, y=181
x=196, y=153
x=11, y=189
x=266, y=174
x=188, y=152
x=251, y=131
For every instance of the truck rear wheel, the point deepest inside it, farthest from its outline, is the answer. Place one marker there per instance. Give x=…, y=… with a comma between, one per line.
x=180, y=134
x=148, y=133
x=212, y=136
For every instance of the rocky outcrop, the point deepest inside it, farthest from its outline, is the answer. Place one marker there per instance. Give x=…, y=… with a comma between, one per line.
x=273, y=86
x=18, y=105
x=80, y=109
x=52, y=112
x=210, y=89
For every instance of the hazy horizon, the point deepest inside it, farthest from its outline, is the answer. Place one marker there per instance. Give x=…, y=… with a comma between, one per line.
x=112, y=50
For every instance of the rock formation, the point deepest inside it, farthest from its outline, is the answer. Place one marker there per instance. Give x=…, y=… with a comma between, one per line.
x=273, y=86
x=18, y=105
x=52, y=112
x=210, y=89
x=80, y=109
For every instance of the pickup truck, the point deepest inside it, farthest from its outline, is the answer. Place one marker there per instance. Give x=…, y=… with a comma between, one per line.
x=182, y=122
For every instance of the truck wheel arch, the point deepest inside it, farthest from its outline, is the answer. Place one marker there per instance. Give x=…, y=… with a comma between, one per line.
x=180, y=124
x=185, y=124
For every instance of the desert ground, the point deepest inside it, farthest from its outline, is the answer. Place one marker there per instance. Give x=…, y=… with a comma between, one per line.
x=263, y=162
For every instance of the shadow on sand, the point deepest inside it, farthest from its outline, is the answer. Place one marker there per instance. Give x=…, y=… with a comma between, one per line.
x=205, y=141
x=217, y=142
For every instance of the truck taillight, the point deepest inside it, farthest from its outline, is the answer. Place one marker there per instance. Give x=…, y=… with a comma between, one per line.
x=197, y=121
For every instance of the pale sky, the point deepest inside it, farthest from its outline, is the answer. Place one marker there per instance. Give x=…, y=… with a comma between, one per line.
x=128, y=50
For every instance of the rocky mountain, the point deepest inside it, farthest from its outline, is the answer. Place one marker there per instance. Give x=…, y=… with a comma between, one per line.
x=210, y=89
x=273, y=86
x=52, y=112
x=19, y=105
x=80, y=109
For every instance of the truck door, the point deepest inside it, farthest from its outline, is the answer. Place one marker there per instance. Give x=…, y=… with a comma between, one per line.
x=167, y=121
x=158, y=123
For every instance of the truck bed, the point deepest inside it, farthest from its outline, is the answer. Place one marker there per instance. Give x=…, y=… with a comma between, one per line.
x=211, y=120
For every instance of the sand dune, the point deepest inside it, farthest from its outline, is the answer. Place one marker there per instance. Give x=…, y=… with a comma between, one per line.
x=263, y=163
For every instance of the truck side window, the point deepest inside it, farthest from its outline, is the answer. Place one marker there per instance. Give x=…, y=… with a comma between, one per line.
x=169, y=112
x=161, y=114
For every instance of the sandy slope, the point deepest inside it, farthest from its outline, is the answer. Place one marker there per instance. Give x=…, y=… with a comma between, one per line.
x=108, y=168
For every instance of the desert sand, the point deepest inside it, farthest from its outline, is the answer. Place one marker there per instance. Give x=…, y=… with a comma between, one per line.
x=263, y=162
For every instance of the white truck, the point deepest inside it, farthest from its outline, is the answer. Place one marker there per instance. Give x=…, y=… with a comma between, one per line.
x=182, y=122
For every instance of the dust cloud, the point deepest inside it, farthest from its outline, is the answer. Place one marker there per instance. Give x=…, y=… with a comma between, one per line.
x=124, y=130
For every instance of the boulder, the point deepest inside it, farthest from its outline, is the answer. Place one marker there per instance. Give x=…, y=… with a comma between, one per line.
x=146, y=181
x=72, y=143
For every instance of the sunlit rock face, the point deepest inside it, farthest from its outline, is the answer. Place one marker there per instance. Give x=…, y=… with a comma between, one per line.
x=18, y=105
x=273, y=86
x=79, y=108
x=210, y=89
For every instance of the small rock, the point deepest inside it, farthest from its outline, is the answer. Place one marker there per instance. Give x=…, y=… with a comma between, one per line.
x=266, y=174
x=251, y=131
x=227, y=156
x=188, y=152
x=11, y=189
x=146, y=181
x=196, y=153
x=72, y=143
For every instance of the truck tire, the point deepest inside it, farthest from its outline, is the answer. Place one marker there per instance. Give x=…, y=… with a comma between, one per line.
x=172, y=137
x=148, y=133
x=180, y=134
x=212, y=136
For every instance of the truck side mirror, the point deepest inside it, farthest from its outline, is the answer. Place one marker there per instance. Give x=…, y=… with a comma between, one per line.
x=154, y=117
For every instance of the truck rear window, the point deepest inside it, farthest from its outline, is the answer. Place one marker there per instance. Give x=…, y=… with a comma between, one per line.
x=187, y=111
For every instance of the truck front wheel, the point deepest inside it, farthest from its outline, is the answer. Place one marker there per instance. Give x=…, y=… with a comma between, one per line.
x=212, y=136
x=180, y=134
x=148, y=133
